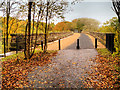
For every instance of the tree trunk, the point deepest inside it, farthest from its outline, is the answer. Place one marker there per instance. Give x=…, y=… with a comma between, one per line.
x=36, y=33
x=8, y=13
x=46, y=27
x=119, y=38
x=33, y=26
x=29, y=30
x=25, y=41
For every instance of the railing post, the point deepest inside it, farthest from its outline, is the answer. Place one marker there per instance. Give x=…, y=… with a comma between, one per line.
x=4, y=49
x=95, y=42
x=42, y=44
x=59, y=45
x=112, y=43
x=78, y=47
x=106, y=40
x=16, y=45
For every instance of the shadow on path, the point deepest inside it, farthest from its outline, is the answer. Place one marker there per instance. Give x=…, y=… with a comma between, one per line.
x=85, y=43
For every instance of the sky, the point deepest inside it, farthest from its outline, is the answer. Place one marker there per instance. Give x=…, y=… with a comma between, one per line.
x=100, y=10
x=97, y=9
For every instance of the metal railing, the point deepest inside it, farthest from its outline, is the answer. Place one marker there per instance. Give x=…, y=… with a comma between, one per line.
x=106, y=39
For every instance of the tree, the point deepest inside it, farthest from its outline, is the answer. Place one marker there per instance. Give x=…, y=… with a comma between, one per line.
x=62, y=26
x=44, y=10
x=112, y=26
x=8, y=7
x=116, y=6
x=85, y=24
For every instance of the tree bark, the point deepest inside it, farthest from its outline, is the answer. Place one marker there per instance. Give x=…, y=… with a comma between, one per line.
x=46, y=27
x=33, y=26
x=29, y=30
x=8, y=14
x=36, y=33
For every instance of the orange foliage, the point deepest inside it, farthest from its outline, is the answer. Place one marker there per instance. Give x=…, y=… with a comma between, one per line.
x=61, y=26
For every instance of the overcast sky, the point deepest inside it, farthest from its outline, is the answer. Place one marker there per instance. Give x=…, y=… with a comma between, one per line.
x=96, y=9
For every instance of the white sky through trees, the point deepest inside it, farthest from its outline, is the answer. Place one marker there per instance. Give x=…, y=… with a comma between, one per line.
x=96, y=9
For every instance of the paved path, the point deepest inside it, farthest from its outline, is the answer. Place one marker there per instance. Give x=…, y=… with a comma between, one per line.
x=67, y=69
x=85, y=43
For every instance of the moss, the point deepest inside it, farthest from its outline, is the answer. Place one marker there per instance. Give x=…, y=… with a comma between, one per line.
x=104, y=52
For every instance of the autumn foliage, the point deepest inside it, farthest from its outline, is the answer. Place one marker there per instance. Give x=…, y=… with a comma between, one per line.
x=105, y=73
x=14, y=72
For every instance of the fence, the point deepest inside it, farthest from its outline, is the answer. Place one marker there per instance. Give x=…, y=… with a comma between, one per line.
x=17, y=41
x=21, y=39
x=106, y=39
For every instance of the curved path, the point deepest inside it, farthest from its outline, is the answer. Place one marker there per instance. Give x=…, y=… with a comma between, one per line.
x=85, y=43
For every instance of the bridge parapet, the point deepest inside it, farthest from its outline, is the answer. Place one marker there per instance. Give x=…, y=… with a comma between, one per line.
x=106, y=39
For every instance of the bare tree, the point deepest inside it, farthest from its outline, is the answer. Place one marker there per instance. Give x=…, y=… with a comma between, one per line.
x=116, y=5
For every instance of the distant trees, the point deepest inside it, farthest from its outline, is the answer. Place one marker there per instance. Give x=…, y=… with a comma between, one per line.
x=80, y=24
x=85, y=24
x=62, y=26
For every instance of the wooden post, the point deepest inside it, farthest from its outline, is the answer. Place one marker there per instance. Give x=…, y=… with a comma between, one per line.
x=106, y=40
x=59, y=45
x=16, y=45
x=42, y=44
x=95, y=42
x=4, y=49
x=112, y=43
x=78, y=47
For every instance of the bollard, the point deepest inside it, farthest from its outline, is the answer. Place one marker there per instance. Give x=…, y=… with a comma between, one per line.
x=16, y=45
x=4, y=48
x=59, y=44
x=78, y=47
x=106, y=40
x=42, y=44
x=95, y=42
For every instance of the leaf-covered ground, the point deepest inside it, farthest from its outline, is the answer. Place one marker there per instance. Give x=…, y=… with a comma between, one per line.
x=71, y=69
x=106, y=72
x=14, y=71
x=66, y=70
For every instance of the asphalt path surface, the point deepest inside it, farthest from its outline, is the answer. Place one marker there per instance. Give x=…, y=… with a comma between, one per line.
x=84, y=42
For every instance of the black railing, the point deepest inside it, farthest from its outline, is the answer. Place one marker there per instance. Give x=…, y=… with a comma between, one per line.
x=106, y=39
x=110, y=42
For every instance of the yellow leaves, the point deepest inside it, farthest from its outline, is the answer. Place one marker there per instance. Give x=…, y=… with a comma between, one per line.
x=73, y=63
x=45, y=82
x=39, y=81
x=36, y=68
x=51, y=82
